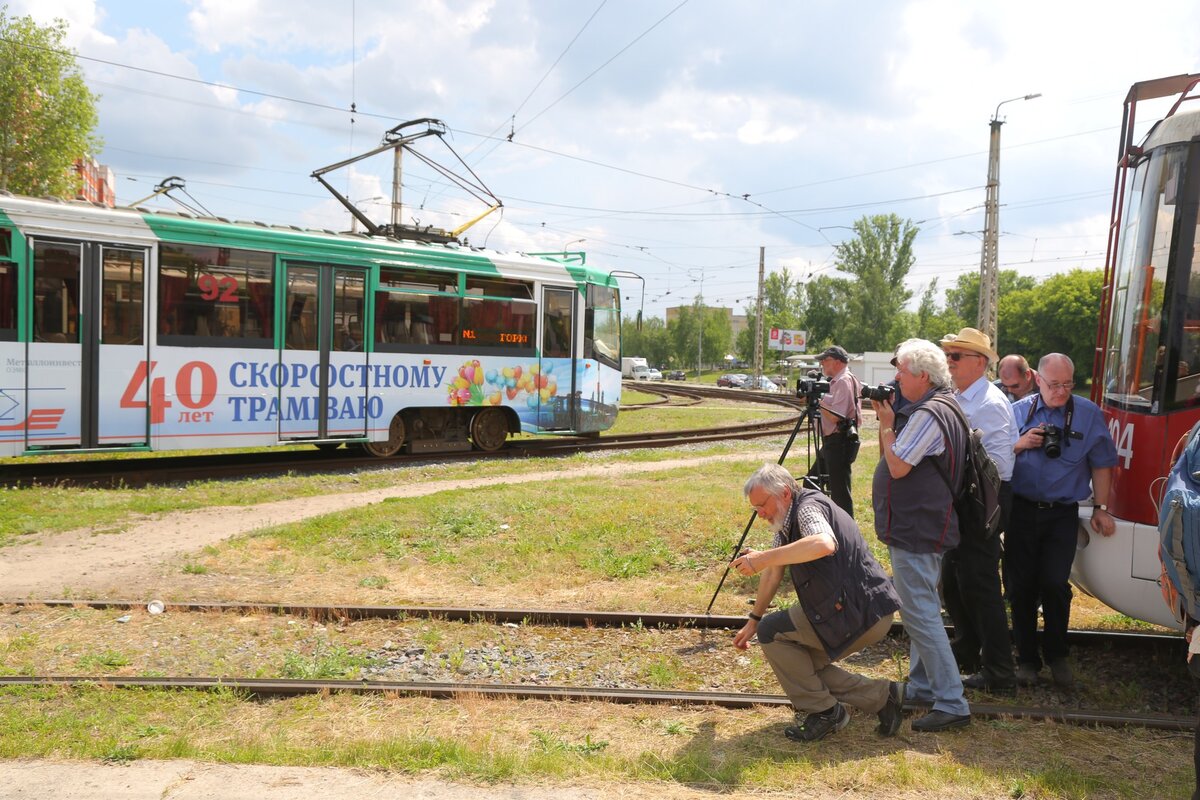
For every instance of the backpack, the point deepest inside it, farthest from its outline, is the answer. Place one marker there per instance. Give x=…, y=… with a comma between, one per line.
x=978, y=501
x=1179, y=533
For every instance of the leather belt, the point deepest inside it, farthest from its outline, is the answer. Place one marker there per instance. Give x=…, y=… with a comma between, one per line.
x=1044, y=504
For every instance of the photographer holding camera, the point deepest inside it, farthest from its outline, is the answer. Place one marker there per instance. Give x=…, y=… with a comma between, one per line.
x=1064, y=455
x=841, y=410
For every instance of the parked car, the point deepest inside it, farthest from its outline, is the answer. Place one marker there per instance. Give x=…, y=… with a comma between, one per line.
x=763, y=384
x=653, y=375
x=732, y=380
x=677, y=375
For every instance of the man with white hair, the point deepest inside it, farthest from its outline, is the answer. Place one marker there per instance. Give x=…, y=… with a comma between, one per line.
x=846, y=603
x=915, y=518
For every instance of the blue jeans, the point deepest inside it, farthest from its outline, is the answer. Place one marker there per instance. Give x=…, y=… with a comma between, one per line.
x=932, y=670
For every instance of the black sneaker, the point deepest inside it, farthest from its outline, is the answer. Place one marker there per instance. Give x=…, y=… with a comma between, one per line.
x=892, y=713
x=979, y=681
x=936, y=721
x=818, y=726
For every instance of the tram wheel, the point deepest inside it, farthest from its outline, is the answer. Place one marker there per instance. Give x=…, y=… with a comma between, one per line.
x=489, y=429
x=395, y=440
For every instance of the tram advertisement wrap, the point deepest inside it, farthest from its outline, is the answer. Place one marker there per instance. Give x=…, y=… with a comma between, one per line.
x=176, y=400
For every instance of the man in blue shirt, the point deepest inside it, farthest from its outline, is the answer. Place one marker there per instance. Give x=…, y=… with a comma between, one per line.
x=1065, y=454
x=971, y=571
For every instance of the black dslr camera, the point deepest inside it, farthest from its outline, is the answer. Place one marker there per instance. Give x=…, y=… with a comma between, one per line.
x=1052, y=440
x=884, y=391
x=814, y=385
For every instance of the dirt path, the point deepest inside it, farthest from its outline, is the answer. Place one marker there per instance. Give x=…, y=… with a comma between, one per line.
x=190, y=780
x=84, y=561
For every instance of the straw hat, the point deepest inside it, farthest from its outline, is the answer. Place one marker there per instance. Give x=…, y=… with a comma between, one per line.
x=971, y=339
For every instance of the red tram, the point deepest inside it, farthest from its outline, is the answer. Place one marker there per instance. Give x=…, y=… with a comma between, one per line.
x=1146, y=376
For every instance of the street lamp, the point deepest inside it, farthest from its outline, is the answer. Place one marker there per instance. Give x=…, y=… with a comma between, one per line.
x=573, y=241
x=989, y=275
x=354, y=219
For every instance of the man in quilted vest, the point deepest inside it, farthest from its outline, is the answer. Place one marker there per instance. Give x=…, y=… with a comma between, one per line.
x=846, y=603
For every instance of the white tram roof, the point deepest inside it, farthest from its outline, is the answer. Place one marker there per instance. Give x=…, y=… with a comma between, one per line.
x=1179, y=127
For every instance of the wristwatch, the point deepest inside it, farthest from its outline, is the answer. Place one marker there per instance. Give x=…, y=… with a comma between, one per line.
x=1100, y=507
x=754, y=617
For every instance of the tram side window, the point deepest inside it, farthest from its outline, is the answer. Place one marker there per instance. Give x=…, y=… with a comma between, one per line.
x=121, y=317
x=56, y=292
x=215, y=296
x=498, y=313
x=1187, y=381
x=8, y=301
x=8, y=288
x=415, y=309
x=602, y=324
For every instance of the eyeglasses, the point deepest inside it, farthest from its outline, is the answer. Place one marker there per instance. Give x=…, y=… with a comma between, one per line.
x=1055, y=387
x=959, y=356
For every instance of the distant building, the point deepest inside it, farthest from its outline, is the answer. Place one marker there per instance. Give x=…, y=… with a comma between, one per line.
x=96, y=182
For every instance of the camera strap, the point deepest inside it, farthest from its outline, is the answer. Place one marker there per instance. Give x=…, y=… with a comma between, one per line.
x=1070, y=413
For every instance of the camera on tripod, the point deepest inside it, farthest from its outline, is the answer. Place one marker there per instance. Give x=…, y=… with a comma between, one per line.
x=884, y=391
x=814, y=385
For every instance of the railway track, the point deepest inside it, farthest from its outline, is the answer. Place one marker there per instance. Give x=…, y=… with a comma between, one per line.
x=266, y=688
x=532, y=616
x=269, y=687
x=135, y=472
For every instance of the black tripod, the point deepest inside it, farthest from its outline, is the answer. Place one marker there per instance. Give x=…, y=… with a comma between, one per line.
x=813, y=480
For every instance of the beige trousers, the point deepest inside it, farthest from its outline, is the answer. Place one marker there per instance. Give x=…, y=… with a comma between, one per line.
x=811, y=681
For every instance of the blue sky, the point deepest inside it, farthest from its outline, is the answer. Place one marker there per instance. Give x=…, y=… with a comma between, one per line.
x=673, y=136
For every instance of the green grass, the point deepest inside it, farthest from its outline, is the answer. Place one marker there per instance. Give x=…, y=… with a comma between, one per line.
x=507, y=742
x=26, y=513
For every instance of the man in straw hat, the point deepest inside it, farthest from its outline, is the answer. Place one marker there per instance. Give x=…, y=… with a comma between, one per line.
x=970, y=573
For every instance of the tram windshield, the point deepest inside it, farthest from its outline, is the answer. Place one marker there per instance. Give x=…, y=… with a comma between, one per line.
x=602, y=324
x=1156, y=291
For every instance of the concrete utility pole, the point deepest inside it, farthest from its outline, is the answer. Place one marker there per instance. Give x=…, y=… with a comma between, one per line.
x=989, y=271
x=758, y=334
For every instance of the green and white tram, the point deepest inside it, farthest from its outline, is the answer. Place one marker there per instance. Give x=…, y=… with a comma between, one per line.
x=127, y=329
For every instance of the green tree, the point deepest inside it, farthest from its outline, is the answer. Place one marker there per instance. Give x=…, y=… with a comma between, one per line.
x=931, y=321
x=688, y=343
x=783, y=307
x=47, y=113
x=879, y=259
x=963, y=298
x=1059, y=315
x=651, y=342
x=827, y=312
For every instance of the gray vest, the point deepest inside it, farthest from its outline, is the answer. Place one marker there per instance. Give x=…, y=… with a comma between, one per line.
x=845, y=593
x=916, y=513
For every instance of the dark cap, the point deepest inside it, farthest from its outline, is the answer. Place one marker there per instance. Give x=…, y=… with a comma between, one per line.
x=835, y=352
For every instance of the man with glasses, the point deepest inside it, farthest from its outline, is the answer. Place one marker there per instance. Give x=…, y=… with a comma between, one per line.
x=914, y=517
x=1016, y=379
x=1065, y=454
x=971, y=571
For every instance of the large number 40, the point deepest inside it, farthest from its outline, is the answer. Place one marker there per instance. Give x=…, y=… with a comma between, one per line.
x=183, y=388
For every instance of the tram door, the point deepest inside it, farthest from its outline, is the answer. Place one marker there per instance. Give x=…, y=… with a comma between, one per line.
x=560, y=412
x=324, y=362
x=87, y=347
